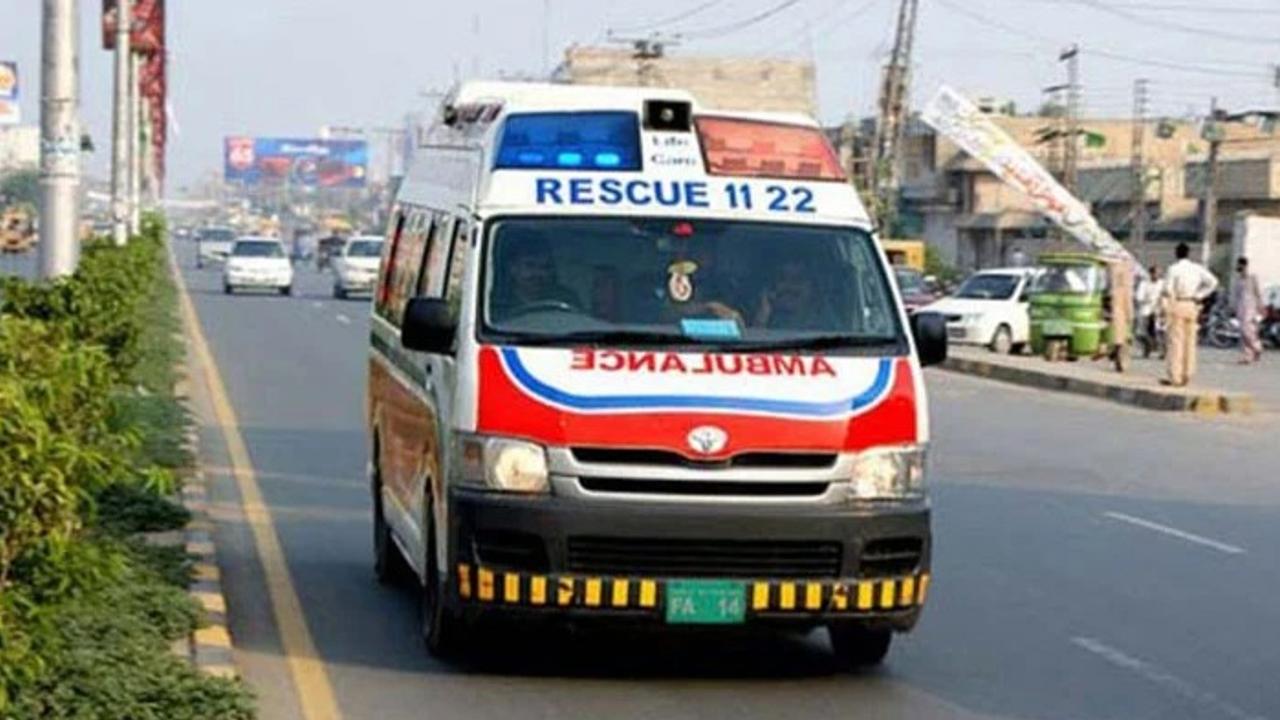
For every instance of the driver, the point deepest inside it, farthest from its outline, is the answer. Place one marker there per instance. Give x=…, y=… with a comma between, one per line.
x=792, y=301
x=528, y=279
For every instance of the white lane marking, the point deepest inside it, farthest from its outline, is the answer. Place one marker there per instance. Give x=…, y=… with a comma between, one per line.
x=1159, y=676
x=1174, y=532
x=344, y=319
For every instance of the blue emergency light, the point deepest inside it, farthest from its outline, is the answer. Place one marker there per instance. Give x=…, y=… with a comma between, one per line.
x=570, y=141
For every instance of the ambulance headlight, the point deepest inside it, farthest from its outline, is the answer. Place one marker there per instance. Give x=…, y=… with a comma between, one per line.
x=503, y=464
x=891, y=474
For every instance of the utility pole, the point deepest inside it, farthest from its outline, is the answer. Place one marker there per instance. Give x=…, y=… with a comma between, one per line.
x=1139, y=167
x=137, y=119
x=644, y=51
x=1071, y=154
x=892, y=121
x=59, y=140
x=122, y=122
x=1213, y=133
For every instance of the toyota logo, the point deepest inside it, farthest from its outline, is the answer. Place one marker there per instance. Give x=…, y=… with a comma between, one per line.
x=707, y=440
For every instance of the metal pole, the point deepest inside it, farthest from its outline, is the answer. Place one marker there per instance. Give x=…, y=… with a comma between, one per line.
x=59, y=141
x=121, y=126
x=136, y=120
x=1071, y=157
x=1139, y=236
x=1210, y=228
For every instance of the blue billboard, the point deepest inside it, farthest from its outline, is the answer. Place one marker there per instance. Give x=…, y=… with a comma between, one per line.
x=306, y=162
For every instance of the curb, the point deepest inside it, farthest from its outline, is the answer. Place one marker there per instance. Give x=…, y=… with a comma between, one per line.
x=209, y=648
x=1201, y=402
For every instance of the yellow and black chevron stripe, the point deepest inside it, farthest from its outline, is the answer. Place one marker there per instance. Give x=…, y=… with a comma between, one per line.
x=482, y=585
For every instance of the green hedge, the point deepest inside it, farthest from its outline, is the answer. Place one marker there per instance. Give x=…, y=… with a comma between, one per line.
x=93, y=443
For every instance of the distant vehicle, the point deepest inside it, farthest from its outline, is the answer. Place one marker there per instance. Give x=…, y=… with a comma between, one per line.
x=915, y=291
x=182, y=232
x=213, y=244
x=355, y=268
x=258, y=263
x=991, y=309
x=327, y=248
x=904, y=253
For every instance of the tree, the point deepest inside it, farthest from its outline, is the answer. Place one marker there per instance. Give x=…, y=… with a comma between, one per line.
x=20, y=187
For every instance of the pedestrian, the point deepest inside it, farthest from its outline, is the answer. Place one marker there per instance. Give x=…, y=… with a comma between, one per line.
x=1187, y=284
x=1149, y=300
x=1019, y=258
x=1246, y=300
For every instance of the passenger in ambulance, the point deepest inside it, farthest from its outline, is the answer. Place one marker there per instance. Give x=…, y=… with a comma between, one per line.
x=525, y=281
x=792, y=300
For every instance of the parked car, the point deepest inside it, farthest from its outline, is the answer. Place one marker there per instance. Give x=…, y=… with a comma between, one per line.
x=355, y=268
x=990, y=308
x=913, y=287
x=259, y=263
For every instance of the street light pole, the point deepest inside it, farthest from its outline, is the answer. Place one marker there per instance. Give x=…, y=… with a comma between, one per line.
x=59, y=141
x=1213, y=133
x=122, y=128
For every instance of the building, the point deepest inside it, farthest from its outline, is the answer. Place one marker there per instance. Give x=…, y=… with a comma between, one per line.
x=19, y=147
x=725, y=83
x=975, y=220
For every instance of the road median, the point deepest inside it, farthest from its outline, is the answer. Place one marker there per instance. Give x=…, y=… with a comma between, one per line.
x=1098, y=381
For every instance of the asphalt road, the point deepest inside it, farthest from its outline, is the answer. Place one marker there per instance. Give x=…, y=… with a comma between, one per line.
x=1092, y=561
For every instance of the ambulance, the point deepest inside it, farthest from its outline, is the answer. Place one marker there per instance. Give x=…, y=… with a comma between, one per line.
x=634, y=361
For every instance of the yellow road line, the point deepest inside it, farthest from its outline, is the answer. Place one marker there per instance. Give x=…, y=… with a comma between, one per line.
x=310, y=680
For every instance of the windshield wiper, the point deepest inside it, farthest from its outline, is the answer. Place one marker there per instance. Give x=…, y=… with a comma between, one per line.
x=818, y=342
x=592, y=337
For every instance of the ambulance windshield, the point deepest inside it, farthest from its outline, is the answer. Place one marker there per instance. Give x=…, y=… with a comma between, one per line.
x=670, y=282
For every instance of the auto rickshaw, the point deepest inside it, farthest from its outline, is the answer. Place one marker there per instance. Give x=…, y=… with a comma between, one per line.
x=1068, y=314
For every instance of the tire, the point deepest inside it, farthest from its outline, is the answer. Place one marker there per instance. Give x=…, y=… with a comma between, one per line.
x=1002, y=341
x=1221, y=335
x=389, y=565
x=227, y=289
x=286, y=290
x=857, y=647
x=442, y=630
x=1017, y=348
x=339, y=293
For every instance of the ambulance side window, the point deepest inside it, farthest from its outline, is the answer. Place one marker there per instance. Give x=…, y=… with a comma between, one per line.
x=398, y=227
x=405, y=261
x=435, y=265
x=457, y=266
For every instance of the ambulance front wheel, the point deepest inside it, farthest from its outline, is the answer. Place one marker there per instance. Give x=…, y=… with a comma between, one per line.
x=442, y=629
x=857, y=646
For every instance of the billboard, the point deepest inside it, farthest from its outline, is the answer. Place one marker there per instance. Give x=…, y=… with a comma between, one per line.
x=10, y=114
x=306, y=162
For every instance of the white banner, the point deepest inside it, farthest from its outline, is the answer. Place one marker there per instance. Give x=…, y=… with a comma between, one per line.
x=955, y=116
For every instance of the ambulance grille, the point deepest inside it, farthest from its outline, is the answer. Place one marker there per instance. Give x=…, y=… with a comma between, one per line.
x=704, y=558
x=704, y=487
x=890, y=557
x=780, y=460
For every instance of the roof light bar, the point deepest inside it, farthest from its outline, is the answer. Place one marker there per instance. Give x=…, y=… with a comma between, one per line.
x=754, y=148
x=570, y=141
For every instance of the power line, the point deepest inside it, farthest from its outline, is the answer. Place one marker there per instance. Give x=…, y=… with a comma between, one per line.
x=683, y=15
x=1107, y=54
x=722, y=30
x=1150, y=21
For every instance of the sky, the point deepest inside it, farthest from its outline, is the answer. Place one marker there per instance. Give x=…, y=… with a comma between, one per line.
x=287, y=67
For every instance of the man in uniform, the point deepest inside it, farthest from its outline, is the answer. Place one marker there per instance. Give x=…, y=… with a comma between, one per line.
x=1186, y=285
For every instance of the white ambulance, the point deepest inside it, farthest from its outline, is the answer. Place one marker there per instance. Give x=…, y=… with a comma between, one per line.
x=636, y=361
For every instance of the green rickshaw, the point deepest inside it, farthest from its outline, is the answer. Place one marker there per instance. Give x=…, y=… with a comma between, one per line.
x=1068, y=318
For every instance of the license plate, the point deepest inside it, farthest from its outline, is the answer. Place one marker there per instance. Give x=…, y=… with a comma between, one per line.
x=955, y=333
x=706, y=602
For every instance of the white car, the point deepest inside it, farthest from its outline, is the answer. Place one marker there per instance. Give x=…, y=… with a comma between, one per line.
x=355, y=269
x=260, y=263
x=213, y=244
x=990, y=308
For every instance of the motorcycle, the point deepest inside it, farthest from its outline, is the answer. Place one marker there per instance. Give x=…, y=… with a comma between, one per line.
x=1269, y=330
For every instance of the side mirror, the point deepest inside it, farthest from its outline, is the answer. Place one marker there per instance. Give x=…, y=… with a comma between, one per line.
x=428, y=326
x=930, y=332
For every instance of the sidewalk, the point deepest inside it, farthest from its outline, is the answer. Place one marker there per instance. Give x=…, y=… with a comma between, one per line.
x=1220, y=387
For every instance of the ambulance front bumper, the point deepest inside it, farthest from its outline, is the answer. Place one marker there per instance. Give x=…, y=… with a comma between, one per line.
x=580, y=558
